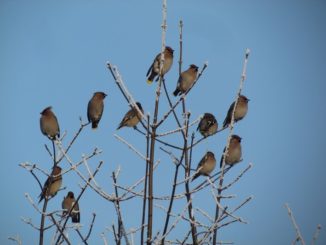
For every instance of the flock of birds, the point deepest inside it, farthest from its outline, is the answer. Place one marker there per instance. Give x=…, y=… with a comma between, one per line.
x=207, y=126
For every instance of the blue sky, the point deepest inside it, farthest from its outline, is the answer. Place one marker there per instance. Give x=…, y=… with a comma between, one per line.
x=54, y=53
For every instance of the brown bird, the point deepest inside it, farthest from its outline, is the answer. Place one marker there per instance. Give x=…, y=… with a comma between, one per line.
x=95, y=108
x=234, y=152
x=207, y=125
x=186, y=80
x=132, y=117
x=240, y=110
x=67, y=203
x=206, y=165
x=52, y=184
x=154, y=70
x=49, y=124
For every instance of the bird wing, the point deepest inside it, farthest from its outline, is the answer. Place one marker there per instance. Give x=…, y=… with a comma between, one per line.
x=199, y=124
x=227, y=120
x=149, y=70
x=210, y=121
x=129, y=115
x=45, y=187
x=156, y=62
x=56, y=120
x=88, y=111
x=75, y=213
x=221, y=162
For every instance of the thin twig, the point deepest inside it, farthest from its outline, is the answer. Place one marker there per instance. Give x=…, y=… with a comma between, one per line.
x=82, y=126
x=123, y=88
x=204, y=138
x=180, y=128
x=296, y=227
x=130, y=146
x=16, y=239
x=235, y=209
x=43, y=219
x=168, y=213
x=238, y=177
x=81, y=236
x=180, y=45
x=176, y=221
x=181, y=97
x=30, y=169
x=220, y=186
x=121, y=229
x=187, y=174
x=84, y=239
x=104, y=239
x=154, y=127
x=145, y=183
x=60, y=229
x=79, y=196
x=314, y=239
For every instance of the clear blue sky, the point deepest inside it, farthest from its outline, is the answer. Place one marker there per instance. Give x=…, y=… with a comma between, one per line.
x=54, y=53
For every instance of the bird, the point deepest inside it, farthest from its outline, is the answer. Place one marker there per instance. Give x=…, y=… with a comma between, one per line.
x=95, y=108
x=49, y=124
x=240, y=111
x=67, y=203
x=207, y=125
x=234, y=153
x=206, y=165
x=132, y=117
x=154, y=69
x=52, y=184
x=186, y=80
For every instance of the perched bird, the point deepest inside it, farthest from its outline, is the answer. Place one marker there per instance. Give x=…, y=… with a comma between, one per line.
x=132, y=117
x=49, y=124
x=186, y=80
x=95, y=108
x=206, y=165
x=234, y=152
x=67, y=204
x=207, y=125
x=52, y=184
x=154, y=70
x=240, y=110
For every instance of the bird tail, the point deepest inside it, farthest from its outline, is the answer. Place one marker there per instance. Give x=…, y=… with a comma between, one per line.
x=149, y=70
x=195, y=176
x=151, y=77
x=94, y=125
x=41, y=196
x=120, y=126
x=149, y=82
x=226, y=122
x=221, y=161
x=75, y=218
x=176, y=92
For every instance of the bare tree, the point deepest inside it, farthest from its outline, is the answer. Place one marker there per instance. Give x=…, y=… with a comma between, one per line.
x=203, y=225
x=299, y=237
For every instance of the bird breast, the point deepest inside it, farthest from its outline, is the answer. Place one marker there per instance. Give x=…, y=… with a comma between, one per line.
x=49, y=126
x=54, y=187
x=241, y=110
x=187, y=81
x=211, y=130
x=133, y=121
x=167, y=64
x=208, y=167
x=234, y=155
